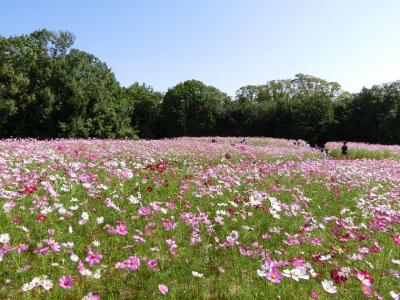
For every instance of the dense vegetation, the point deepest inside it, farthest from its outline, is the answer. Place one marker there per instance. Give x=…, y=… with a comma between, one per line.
x=48, y=90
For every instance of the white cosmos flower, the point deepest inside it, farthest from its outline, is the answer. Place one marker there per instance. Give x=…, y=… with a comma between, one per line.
x=395, y=295
x=27, y=287
x=68, y=245
x=256, y=198
x=96, y=274
x=23, y=228
x=4, y=238
x=70, y=229
x=396, y=261
x=74, y=257
x=329, y=286
x=36, y=281
x=296, y=274
x=134, y=200
x=46, y=210
x=197, y=274
x=344, y=271
x=47, y=284
x=89, y=296
x=62, y=211
x=85, y=216
x=263, y=271
x=325, y=257
x=100, y=220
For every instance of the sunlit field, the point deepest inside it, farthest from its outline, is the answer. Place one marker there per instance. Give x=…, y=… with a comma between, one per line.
x=189, y=218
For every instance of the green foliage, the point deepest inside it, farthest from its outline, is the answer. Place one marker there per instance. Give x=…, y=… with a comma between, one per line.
x=192, y=108
x=143, y=105
x=364, y=154
x=373, y=115
x=48, y=89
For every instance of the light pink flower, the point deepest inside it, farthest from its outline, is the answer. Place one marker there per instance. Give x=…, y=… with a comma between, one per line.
x=163, y=289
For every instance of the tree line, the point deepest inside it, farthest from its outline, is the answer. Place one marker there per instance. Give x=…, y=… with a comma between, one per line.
x=50, y=90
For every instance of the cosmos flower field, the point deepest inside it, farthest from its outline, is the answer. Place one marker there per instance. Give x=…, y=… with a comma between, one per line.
x=191, y=219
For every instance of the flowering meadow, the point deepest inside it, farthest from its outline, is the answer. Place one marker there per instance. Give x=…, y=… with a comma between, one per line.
x=189, y=218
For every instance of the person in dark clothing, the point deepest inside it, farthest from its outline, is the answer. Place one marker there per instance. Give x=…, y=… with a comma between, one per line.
x=243, y=141
x=213, y=141
x=344, y=149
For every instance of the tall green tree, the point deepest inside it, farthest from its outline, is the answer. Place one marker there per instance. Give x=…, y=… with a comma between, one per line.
x=144, y=109
x=88, y=95
x=192, y=108
x=294, y=108
x=26, y=72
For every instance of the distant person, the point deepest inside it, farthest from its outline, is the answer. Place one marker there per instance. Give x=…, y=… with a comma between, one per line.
x=344, y=149
x=323, y=153
x=213, y=141
x=243, y=141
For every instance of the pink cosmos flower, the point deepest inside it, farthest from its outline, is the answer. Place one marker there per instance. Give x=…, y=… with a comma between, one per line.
x=21, y=248
x=144, y=211
x=313, y=295
x=172, y=246
x=66, y=282
x=93, y=258
x=44, y=250
x=274, y=275
x=110, y=229
x=163, y=289
x=132, y=263
x=121, y=229
x=170, y=205
x=365, y=278
x=53, y=245
x=152, y=263
x=316, y=241
x=5, y=248
x=366, y=290
x=396, y=239
x=91, y=296
x=298, y=262
x=138, y=239
x=169, y=224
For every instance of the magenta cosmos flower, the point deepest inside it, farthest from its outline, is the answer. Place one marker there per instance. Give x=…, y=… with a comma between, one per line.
x=66, y=282
x=93, y=258
x=274, y=275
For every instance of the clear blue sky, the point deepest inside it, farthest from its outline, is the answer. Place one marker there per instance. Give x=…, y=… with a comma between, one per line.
x=225, y=43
